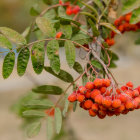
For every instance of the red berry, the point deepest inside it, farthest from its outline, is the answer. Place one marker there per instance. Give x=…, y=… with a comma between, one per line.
x=92, y=113
x=80, y=97
x=116, y=103
x=72, y=97
x=88, y=94
x=135, y=93
x=121, y=108
x=128, y=17
x=129, y=105
x=69, y=10
x=98, y=82
x=94, y=93
x=60, y=2
x=103, y=90
x=59, y=34
x=88, y=104
x=50, y=112
x=98, y=99
x=82, y=89
x=129, y=84
x=123, y=98
x=89, y=85
x=76, y=9
x=95, y=107
x=106, y=102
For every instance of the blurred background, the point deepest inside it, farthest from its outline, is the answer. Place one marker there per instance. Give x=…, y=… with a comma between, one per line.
x=15, y=14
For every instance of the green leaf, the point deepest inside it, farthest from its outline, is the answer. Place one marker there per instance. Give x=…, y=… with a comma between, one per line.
x=63, y=75
x=53, y=55
x=49, y=2
x=137, y=42
x=130, y=5
x=48, y=89
x=34, y=11
x=37, y=57
x=22, y=61
x=84, y=79
x=58, y=120
x=67, y=31
x=96, y=64
x=49, y=128
x=89, y=15
x=64, y=17
x=99, y=4
x=74, y=106
x=5, y=43
x=70, y=53
x=13, y=35
x=66, y=106
x=8, y=64
x=112, y=65
x=46, y=26
x=110, y=26
x=114, y=57
x=33, y=113
x=33, y=129
x=38, y=104
x=81, y=38
x=78, y=68
x=94, y=29
x=135, y=16
x=89, y=7
x=50, y=14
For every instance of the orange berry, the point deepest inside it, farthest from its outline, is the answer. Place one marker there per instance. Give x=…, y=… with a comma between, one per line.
x=59, y=34
x=69, y=10
x=88, y=104
x=117, y=22
x=60, y=2
x=107, y=93
x=95, y=107
x=98, y=99
x=102, y=112
x=118, y=91
x=124, y=88
x=128, y=17
x=103, y=90
x=94, y=93
x=82, y=89
x=110, y=42
x=88, y=94
x=135, y=93
x=50, y=112
x=121, y=108
x=97, y=82
x=106, y=102
x=129, y=84
x=89, y=85
x=80, y=97
x=92, y=113
x=102, y=107
x=129, y=93
x=72, y=97
x=101, y=116
x=129, y=105
x=76, y=9
x=121, y=28
x=116, y=103
x=123, y=98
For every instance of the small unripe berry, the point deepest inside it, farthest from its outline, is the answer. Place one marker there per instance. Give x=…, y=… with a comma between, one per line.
x=88, y=104
x=116, y=103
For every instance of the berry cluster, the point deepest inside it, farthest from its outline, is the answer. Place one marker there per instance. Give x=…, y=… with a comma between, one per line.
x=70, y=9
x=123, y=25
x=99, y=98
